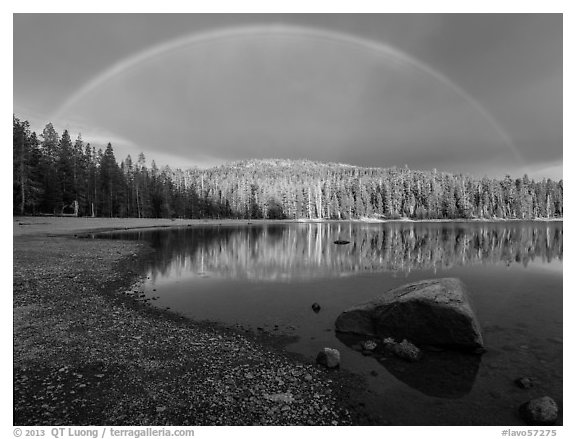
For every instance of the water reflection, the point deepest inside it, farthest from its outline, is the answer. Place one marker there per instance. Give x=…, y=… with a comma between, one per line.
x=284, y=252
x=445, y=374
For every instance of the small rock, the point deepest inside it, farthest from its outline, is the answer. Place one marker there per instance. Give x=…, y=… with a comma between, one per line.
x=539, y=411
x=373, y=373
x=525, y=382
x=329, y=358
x=248, y=376
x=160, y=409
x=369, y=345
x=388, y=341
x=280, y=397
x=406, y=351
x=316, y=307
x=341, y=242
x=308, y=377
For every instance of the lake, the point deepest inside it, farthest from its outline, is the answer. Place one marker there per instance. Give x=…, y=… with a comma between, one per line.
x=266, y=278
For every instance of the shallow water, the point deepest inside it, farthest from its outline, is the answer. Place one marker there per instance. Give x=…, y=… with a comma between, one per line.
x=268, y=276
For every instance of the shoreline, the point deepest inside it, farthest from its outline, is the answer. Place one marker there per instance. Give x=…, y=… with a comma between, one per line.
x=60, y=226
x=110, y=359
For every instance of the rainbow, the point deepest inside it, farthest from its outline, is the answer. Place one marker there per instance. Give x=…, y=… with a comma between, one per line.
x=377, y=48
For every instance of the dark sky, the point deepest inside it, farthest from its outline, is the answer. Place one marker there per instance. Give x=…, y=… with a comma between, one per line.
x=475, y=93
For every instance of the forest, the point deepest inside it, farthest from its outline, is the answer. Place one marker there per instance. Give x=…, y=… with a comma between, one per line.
x=54, y=175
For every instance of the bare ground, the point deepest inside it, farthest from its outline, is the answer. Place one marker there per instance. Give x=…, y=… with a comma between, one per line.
x=87, y=354
x=50, y=226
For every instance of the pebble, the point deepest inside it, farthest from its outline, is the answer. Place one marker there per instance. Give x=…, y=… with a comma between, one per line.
x=524, y=382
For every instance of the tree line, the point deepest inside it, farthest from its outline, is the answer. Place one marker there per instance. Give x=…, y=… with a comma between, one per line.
x=54, y=175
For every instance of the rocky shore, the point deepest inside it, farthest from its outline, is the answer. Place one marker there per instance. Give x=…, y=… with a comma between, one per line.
x=84, y=353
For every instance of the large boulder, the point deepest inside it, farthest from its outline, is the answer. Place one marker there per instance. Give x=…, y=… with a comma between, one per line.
x=433, y=312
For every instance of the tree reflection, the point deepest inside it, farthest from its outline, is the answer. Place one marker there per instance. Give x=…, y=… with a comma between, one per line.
x=283, y=252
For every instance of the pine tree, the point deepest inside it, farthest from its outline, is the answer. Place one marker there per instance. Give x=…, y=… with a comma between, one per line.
x=65, y=168
x=52, y=199
x=25, y=161
x=109, y=182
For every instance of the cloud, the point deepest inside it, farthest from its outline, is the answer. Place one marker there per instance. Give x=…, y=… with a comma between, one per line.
x=291, y=96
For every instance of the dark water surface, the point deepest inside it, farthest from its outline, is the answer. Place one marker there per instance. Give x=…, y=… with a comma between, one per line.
x=260, y=276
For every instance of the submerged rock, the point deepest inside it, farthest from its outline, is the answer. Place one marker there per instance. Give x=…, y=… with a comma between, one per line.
x=449, y=374
x=369, y=345
x=525, y=382
x=329, y=358
x=433, y=312
x=316, y=307
x=388, y=341
x=540, y=411
x=406, y=351
x=443, y=374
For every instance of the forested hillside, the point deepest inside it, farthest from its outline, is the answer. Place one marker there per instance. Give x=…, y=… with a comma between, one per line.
x=54, y=175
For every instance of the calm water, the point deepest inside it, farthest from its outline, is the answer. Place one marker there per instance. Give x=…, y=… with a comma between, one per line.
x=268, y=276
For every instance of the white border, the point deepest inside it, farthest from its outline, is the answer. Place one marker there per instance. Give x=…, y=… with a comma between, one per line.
x=302, y=6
